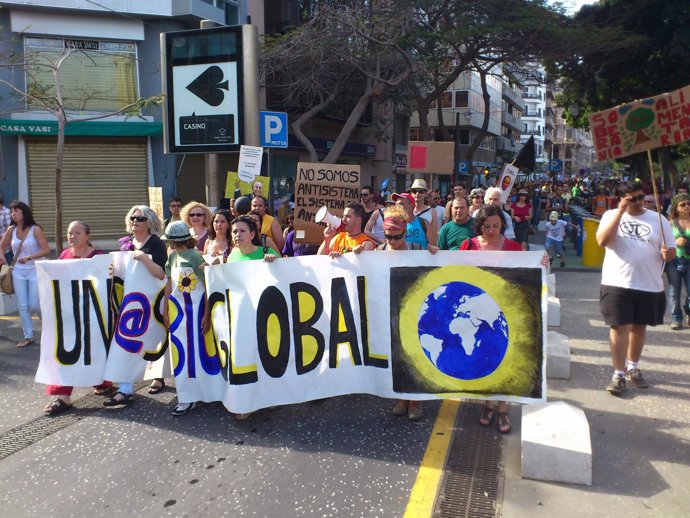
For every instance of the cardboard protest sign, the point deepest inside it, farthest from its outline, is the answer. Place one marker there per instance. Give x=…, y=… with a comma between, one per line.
x=156, y=201
x=234, y=187
x=507, y=180
x=318, y=185
x=430, y=157
x=642, y=125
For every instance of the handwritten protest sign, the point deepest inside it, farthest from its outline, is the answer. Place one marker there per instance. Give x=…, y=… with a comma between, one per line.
x=430, y=157
x=642, y=125
x=249, y=164
x=316, y=185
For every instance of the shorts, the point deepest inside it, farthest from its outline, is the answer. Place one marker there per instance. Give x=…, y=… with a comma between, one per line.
x=622, y=306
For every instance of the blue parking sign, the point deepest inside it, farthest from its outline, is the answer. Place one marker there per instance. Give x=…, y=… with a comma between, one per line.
x=555, y=165
x=273, y=127
x=463, y=167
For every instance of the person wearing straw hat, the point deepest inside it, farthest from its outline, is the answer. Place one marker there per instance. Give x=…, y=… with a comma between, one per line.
x=423, y=211
x=637, y=242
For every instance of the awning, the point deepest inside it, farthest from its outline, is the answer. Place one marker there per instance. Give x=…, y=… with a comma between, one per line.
x=48, y=128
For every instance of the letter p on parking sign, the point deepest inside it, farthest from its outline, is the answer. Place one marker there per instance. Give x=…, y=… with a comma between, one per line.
x=274, y=129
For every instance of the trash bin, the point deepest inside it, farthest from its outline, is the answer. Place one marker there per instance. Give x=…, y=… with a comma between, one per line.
x=592, y=253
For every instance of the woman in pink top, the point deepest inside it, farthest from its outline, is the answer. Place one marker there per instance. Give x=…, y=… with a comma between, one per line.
x=521, y=212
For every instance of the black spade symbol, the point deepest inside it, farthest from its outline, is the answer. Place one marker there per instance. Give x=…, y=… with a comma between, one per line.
x=209, y=86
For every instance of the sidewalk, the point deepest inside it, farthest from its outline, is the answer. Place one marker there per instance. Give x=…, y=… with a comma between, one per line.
x=640, y=447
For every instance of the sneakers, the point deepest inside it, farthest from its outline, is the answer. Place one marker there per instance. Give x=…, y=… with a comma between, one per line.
x=675, y=326
x=183, y=408
x=635, y=377
x=617, y=385
x=562, y=263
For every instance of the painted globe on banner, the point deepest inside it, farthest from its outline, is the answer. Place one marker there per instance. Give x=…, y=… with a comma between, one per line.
x=462, y=331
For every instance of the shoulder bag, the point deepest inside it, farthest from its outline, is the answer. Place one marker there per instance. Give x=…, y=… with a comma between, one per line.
x=6, y=285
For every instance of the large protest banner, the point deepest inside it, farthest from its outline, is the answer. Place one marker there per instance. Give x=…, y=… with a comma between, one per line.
x=642, y=125
x=405, y=324
x=316, y=185
x=139, y=335
x=77, y=319
x=400, y=325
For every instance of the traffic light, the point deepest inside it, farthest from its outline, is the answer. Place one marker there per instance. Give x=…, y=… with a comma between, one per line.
x=486, y=171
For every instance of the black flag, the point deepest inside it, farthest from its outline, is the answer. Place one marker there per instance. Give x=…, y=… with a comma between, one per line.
x=525, y=158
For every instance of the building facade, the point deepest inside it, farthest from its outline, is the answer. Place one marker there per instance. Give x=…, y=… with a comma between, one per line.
x=109, y=59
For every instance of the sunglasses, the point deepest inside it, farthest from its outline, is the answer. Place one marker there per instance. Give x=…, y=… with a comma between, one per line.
x=140, y=219
x=196, y=214
x=639, y=197
x=682, y=204
x=394, y=238
x=414, y=191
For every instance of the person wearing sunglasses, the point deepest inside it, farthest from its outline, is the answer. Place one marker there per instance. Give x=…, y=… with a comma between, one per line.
x=423, y=211
x=197, y=217
x=144, y=227
x=637, y=242
x=395, y=228
x=678, y=270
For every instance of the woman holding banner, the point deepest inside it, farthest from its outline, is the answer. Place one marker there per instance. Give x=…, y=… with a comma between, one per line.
x=143, y=226
x=490, y=225
x=394, y=228
x=197, y=217
x=28, y=244
x=78, y=234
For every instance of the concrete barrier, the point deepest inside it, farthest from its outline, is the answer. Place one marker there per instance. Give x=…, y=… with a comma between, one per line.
x=551, y=284
x=556, y=444
x=553, y=312
x=557, y=355
x=8, y=304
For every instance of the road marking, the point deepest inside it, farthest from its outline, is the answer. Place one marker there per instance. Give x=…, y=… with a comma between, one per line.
x=425, y=489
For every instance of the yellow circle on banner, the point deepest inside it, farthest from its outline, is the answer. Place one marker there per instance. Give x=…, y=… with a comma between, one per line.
x=515, y=374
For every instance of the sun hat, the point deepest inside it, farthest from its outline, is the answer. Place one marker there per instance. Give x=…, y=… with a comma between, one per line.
x=176, y=231
x=419, y=184
x=553, y=215
x=396, y=196
x=477, y=192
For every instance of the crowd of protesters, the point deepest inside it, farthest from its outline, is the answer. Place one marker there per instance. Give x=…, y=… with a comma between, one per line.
x=420, y=219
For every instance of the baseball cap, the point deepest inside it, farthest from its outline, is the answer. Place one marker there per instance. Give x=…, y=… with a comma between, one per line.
x=396, y=196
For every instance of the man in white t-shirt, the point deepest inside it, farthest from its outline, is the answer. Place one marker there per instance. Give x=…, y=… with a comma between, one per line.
x=632, y=296
x=555, y=234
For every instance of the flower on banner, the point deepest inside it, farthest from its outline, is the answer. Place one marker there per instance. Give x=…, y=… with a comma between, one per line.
x=186, y=282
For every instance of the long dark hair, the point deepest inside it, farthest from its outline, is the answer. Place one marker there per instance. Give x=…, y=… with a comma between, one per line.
x=247, y=220
x=29, y=220
x=228, y=218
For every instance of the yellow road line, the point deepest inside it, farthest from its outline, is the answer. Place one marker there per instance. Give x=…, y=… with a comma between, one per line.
x=423, y=495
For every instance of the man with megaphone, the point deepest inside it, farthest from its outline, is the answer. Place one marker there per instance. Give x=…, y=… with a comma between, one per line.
x=346, y=236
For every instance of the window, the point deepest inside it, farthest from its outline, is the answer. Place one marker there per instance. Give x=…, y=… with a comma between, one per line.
x=462, y=99
x=415, y=134
x=447, y=100
x=97, y=75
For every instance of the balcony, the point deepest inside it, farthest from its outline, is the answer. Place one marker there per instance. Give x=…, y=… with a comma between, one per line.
x=533, y=113
x=531, y=96
x=513, y=97
x=511, y=121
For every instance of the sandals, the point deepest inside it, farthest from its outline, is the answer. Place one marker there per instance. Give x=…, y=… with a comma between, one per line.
x=126, y=400
x=157, y=389
x=503, y=423
x=105, y=390
x=25, y=343
x=242, y=417
x=487, y=416
x=56, y=407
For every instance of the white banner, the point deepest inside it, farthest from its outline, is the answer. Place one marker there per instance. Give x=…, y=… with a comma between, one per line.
x=139, y=335
x=76, y=320
x=398, y=324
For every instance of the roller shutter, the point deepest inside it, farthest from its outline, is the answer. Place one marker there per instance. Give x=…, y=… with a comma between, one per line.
x=191, y=182
x=101, y=180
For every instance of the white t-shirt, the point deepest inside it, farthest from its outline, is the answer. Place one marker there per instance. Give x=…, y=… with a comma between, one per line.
x=633, y=259
x=557, y=231
x=440, y=215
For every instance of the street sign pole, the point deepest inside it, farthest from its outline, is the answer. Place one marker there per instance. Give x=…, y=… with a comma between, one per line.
x=211, y=160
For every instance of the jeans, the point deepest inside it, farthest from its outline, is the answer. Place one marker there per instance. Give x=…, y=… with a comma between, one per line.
x=676, y=281
x=26, y=290
x=125, y=387
x=552, y=243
